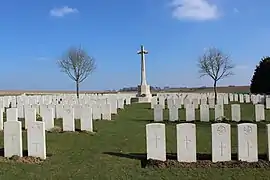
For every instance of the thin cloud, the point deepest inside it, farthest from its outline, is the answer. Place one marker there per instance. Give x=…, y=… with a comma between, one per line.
x=199, y=10
x=63, y=11
x=235, y=10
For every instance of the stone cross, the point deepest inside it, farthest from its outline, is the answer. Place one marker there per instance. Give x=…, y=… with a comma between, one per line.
x=142, y=52
x=186, y=142
x=249, y=146
x=157, y=138
x=222, y=147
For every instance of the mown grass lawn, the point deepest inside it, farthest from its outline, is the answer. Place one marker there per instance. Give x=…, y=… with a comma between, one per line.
x=117, y=150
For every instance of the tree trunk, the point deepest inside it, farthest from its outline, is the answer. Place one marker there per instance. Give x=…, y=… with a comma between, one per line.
x=215, y=90
x=77, y=89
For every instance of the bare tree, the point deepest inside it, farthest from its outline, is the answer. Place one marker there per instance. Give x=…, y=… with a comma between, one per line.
x=77, y=64
x=216, y=64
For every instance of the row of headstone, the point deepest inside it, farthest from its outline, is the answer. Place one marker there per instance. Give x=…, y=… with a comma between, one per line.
x=221, y=142
x=47, y=118
x=204, y=113
x=180, y=99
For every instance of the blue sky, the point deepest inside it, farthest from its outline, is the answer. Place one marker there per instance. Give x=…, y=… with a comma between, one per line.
x=34, y=34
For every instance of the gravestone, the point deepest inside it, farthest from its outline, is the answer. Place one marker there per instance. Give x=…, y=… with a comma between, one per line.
x=13, y=139
x=77, y=111
x=68, y=120
x=1, y=119
x=268, y=141
x=186, y=142
x=225, y=99
x=170, y=103
x=86, y=119
x=120, y=103
x=236, y=112
x=221, y=142
x=259, y=112
x=173, y=113
x=96, y=111
x=106, y=112
x=47, y=115
x=235, y=97
x=158, y=113
x=154, y=101
x=247, y=142
x=219, y=111
x=156, y=141
x=190, y=112
x=204, y=113
x=30, y=116
x=241, y=98
x=36, y=139
x=12, y=114
x=212, y=103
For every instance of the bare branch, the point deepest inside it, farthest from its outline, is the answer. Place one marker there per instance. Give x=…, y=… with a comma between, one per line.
x=77, y=64
x=215, y=64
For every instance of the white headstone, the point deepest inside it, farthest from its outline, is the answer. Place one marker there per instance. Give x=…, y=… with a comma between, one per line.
x=190, y=112
x=236, y=112
x=30, y=116
x=173, y=113
x=106, y=112
x=204, y=113
x=247, y=142
x=219, y=111
x=156, y=141
x=1, y=119
x=186, y=142
x=86, y=119
x=259, y=112
x=13, y=139
x=158, y=113
x=36, y=139
x=12, y=114
x=268, y=141
x=68, y=120
x=221, y=142
x=47, y=115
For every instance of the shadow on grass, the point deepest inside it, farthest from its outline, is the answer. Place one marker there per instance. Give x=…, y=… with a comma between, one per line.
x=173, y=156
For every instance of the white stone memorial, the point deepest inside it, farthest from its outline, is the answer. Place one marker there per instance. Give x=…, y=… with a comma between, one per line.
x=86, y=119
x=13, y=139
x=247, y=142
x=156, y=141
x=36, y=139
x=158, y=113
x=186, y=142
x=236, y=112
x=221, y=142
x=68, y=120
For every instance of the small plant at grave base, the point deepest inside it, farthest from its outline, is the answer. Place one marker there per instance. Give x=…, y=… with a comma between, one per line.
x=38, y=117
x=221, y=119
x=143, y=95
x=55, y=129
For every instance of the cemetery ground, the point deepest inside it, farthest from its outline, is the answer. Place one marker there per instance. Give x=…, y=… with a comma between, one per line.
x=117, y=150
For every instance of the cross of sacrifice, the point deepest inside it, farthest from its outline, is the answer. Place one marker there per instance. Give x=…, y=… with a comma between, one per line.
x=142, y=52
